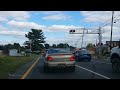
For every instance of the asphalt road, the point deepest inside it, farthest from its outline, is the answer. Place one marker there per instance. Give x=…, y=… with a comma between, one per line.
x=84, y=70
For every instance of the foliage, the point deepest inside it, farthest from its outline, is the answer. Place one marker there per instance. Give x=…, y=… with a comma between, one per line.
x=36, y=37
x=90, y=45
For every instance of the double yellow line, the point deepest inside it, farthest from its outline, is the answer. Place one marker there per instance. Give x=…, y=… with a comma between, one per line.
x=28, y=71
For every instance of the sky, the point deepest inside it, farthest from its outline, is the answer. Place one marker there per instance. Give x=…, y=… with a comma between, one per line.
x=57, y=24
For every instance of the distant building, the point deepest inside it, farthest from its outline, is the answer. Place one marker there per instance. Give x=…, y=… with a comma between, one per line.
x=13, y=52
x=1, y=52
x=113, y=43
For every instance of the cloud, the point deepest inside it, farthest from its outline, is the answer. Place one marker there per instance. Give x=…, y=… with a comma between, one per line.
x=2, y=19
x=25, y=25
x=56, y=17
x=2, y=28
x=16, y=15
x=61, y=28
x=52, y=28
x=51, y=12
x=98, y=16
x=12, y=33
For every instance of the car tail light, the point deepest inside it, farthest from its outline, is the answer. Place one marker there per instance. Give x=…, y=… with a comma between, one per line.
x=49, y=58
x=72, y=58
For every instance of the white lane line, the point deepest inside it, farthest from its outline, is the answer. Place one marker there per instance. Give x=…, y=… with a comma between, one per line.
x=92, y=72
x=101, y=62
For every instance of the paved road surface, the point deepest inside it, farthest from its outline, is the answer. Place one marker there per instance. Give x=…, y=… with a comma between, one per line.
x=84, y=70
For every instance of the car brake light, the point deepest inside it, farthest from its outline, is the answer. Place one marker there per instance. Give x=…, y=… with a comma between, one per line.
x=49, y=58
x=61, y=54
x=72, y=58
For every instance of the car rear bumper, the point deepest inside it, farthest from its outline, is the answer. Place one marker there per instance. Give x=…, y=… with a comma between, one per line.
x=60, y=64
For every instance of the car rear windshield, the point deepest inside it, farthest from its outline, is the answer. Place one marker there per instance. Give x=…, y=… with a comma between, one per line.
x=51, y=51
x=83, y=52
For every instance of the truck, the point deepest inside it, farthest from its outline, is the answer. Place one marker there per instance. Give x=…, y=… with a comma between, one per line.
x=115, y=58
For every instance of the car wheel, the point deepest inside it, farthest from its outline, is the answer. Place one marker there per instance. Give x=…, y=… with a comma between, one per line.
x=116, y=64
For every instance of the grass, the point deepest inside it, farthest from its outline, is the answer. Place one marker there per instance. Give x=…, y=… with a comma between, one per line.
x=10, y=64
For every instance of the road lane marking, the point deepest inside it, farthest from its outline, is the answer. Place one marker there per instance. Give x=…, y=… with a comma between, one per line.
x=28, y=71
x=101, y=62
x=92, y=72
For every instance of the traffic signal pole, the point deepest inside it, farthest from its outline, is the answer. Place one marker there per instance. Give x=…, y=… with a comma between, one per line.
x=82, y=39
x=100, y=41
x=99, y=35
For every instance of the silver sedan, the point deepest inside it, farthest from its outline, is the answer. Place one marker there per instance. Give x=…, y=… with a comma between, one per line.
x=60, y=58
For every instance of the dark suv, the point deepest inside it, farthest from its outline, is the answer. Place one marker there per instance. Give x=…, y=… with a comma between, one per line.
x=82, y=55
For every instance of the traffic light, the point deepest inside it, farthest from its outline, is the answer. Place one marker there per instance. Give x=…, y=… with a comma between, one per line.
x=72, y=31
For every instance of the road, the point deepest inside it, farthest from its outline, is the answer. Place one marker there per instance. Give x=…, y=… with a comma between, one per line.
x=84, y=70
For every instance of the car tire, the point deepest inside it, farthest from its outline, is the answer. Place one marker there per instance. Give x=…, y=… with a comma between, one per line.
x=116, y=64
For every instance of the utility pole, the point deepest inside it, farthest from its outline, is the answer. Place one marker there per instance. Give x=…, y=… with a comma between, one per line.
x=96, y=42
x=111, y=30
x=100, y=41
x=82, y=39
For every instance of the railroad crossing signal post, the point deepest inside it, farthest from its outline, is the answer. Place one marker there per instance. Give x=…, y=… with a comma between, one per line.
x=99, y=35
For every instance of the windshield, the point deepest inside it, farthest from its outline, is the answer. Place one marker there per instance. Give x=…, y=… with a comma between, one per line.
x=83, y=52
x=56, y=51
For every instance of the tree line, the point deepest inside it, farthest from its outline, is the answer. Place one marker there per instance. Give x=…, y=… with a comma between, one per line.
x=7, y=47
x=36, y=42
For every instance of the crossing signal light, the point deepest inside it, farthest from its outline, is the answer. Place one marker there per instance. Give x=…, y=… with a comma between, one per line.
x=72, y=31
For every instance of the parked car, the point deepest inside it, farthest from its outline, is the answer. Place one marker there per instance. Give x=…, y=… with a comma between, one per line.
x=115, y=58
x=60, y=58
x=82, y=55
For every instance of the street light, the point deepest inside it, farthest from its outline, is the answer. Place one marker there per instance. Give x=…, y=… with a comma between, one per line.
x=111, y=30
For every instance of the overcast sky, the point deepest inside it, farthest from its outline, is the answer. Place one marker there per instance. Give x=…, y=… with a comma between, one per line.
x=56, y=25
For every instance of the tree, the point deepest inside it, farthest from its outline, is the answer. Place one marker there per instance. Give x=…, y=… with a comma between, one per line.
x=66, y=45
x=47, y=46
x=61, y=45
x=36, y=37
x=90, y=46
x=17, y=46
x=54, y=46
x=22, y=48
x=1, y=47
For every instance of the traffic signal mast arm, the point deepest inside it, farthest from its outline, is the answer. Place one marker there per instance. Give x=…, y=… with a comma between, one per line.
x=72, y=31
